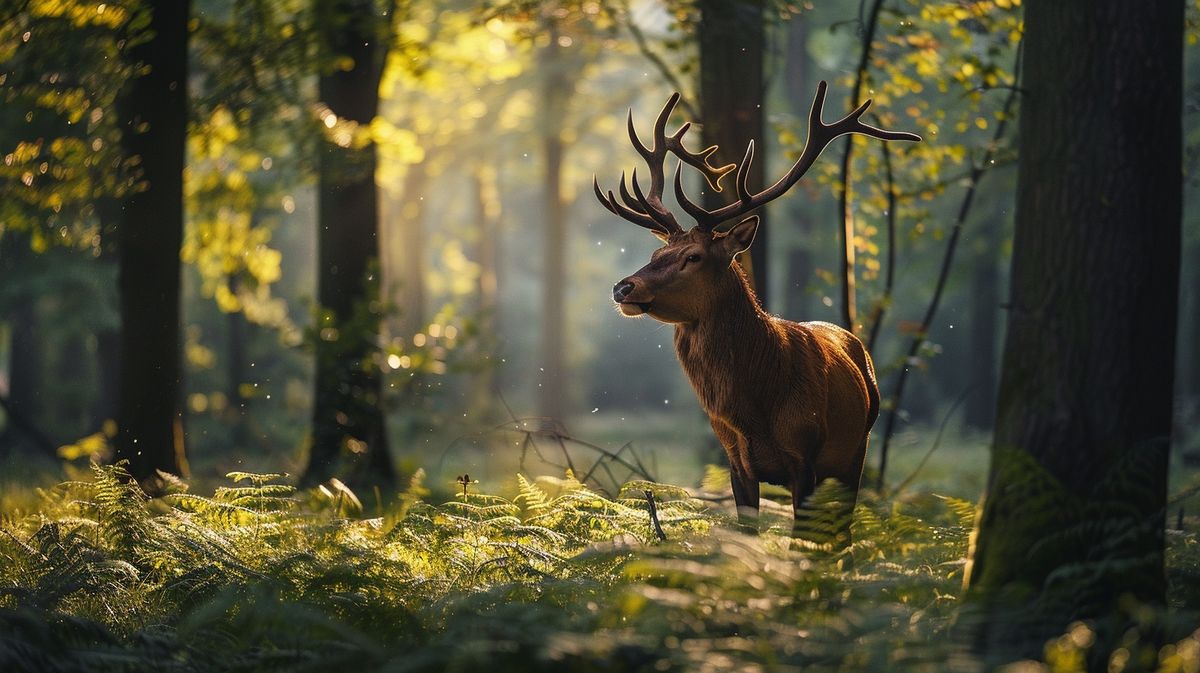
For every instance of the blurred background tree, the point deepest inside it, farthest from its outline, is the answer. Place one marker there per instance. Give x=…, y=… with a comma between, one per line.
x=152, y=107
x=353, y=39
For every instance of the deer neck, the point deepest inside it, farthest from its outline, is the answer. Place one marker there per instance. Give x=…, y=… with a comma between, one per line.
x=737, y=335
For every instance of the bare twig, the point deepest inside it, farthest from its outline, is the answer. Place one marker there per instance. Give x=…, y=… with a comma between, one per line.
x=535, y=428
x=937, y=441
x=604, y=461
x=658, y=531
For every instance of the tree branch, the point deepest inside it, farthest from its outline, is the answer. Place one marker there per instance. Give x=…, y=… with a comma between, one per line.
x=643, y=45
x=849, y=310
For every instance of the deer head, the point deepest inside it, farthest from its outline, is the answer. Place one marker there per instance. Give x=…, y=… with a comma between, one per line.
x=678, y=284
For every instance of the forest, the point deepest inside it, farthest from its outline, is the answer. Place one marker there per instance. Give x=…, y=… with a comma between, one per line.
x=323, y=343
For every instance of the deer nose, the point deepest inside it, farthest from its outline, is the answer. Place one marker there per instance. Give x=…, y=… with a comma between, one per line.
x=622, y=290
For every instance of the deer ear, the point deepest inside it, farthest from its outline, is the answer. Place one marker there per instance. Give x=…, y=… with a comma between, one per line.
x=740, y=236
x=661, y=235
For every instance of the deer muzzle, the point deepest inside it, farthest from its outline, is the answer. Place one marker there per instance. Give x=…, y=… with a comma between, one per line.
x=629, y=300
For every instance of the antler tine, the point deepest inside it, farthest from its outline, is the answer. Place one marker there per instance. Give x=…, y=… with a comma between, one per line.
x=647, y=210
x=651, y=205
x=600, y=196
x=635, y=204
x=610, y=202
x=633, y=138
x=699, y=214
x=820, y=135
x=743, y=174
x=706, y=220
x=699, y=160
x=637, y=189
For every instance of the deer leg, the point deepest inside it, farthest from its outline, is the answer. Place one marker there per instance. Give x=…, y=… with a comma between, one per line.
x=745, y=496
x=804, y=482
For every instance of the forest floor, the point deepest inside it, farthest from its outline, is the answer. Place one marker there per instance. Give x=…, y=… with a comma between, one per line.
x=253, y=575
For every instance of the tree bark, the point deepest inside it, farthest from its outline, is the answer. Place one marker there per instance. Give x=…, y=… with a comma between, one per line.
x=1073, y=520
x=349, y=437
x=730, y=37
x=153, y=110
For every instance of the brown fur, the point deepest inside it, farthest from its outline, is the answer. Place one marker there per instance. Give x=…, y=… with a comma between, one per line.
x=792, y=403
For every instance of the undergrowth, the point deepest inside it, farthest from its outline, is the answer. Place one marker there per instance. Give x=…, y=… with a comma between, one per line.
x=258, y=576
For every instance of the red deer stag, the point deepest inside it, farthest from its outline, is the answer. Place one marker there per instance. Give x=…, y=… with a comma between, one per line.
x=792, y=403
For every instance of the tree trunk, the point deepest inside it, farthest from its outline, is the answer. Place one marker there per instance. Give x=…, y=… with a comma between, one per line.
x=108, y=339
x=411, y=272
x=23, y=398
x=731, y=36
x=980, y=409
x=800, y=263
x=108, y=380
x=488, y=213
x=235, y=371
x=153, y=110
x=555, y=90
x=71, y=415
x=1073, y=520
x=349, y=437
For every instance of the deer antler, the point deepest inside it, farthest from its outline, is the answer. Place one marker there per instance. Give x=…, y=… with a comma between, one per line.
x=820, y=135
x=647, y=210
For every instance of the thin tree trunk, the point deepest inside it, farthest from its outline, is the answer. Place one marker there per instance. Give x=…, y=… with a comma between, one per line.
x=849, y=284
x=108, y=380
x=235, y=370
x=980, y=409
x=70, y=416
x=349, y=437
x=108, y=339
x=488, y=214
x=23, y=399
x=1073, y=523
x=154, y=113
x=411, y=274
x=552, y=356
x=731, y=36
x=800, y=262
x=26, y=360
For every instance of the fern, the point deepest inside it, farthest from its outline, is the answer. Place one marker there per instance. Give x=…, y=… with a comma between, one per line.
x=257, y=577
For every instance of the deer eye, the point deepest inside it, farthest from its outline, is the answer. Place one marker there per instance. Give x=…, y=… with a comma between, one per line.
x=692, y=259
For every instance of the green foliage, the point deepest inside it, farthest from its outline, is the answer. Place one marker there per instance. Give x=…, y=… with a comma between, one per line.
x=257, y=577
x=60, y=156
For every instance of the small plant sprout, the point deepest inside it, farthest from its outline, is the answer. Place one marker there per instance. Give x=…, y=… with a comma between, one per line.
x=465, y=481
